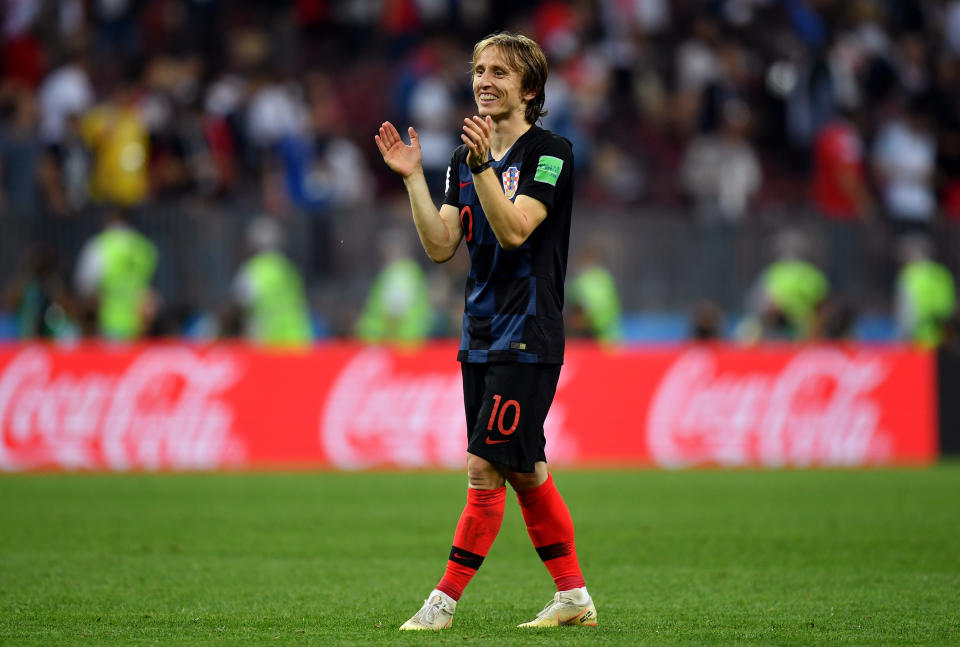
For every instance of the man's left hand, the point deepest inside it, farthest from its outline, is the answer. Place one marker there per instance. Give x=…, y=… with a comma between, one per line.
x=476, y=135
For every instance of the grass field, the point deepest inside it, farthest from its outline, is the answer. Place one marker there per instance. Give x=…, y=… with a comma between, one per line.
x=693, y=558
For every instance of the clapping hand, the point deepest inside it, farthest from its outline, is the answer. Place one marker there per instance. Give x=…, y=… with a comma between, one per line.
x=476, y=135
x=404, y=159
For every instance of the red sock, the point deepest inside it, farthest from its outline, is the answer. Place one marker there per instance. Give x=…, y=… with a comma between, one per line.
x=551, y=529
x=476, y=530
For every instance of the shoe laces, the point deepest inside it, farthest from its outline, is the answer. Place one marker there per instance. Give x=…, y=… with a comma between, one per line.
x=547, y=608
x=431, y=609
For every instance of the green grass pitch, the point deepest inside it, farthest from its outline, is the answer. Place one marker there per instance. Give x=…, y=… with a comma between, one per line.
x=861, y=557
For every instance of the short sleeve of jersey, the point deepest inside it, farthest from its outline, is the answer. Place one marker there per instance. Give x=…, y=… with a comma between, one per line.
x=451, y=191
x=547, y=168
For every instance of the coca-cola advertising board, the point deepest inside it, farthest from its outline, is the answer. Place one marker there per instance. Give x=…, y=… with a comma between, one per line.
x=346, y=406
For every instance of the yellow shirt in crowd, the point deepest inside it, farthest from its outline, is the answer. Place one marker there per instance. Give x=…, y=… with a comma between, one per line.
x=118, y=138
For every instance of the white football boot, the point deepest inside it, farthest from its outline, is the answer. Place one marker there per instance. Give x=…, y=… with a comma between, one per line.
x=573, y=608
x=435, y=614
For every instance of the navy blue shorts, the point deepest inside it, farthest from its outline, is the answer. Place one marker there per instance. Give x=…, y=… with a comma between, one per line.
x=506, y=404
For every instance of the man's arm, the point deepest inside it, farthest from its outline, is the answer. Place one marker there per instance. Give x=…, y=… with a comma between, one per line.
x=511, y=222
x=440, y=231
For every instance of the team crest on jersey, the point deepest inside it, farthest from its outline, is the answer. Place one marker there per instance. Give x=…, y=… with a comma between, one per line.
x=511, y=178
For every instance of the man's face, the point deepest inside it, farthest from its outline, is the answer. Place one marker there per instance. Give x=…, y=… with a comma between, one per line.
x=496, y=86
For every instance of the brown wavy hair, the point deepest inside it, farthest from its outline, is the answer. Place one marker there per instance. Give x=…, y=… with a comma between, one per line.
x=524, y=56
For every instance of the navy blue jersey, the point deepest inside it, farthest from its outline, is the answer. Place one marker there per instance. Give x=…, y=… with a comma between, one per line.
x=514, y=299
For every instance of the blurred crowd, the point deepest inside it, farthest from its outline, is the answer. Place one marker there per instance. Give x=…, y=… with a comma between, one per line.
x=716, y=107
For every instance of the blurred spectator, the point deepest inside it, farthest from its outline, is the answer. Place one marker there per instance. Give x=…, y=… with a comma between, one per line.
x=68, y=167
x=276, y=115
x=203, y=25
x=836, y=319
x=268, y=291
x=839, y=186
x=431, y=102
x=560, y=117
x=840, y=193
x=118, y=33
x=276, y=110
x=116, y=134
x=594, y=302
x=616, y=173
x=179, y=163
x=706, y=321
x=39, y=297
x=697, y=67
x=911, y=63
x=71, y=18
x=192, y=156
x=903, y=159
x=588, y=75
x=732, y=84
x=786, y=302
x=21, y=50
x=64, y=93
x=321, y=167
x=925, y=293
x=721, y=171
x=398, y=306
x=946, y=99
x=20, y=153
x=64, y=96
x=113, y=278
x=223, y=106
x=952, y=26
x=622, y=20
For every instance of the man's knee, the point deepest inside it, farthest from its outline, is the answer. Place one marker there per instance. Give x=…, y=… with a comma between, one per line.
x=526, y=481
x=482, y=474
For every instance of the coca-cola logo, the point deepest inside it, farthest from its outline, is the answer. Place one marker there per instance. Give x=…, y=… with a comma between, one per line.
x=816, y=410
x=377, y=415
x=163, y=411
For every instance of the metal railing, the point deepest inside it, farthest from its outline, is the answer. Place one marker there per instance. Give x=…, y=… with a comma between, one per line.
x=663, y=259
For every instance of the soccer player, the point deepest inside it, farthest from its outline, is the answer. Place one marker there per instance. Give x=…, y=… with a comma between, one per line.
x=509, y=195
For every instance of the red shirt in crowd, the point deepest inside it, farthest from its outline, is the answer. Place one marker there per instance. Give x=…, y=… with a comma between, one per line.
x=838, y=174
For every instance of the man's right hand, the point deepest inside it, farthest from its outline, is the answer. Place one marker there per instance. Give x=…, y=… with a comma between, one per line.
x=402, y=158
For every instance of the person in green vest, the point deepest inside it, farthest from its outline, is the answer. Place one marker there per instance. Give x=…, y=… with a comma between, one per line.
x=595, y=310
x=114, y=273
x=786, y=301
x=925, y=294
x=398, y=308
x=269, y=291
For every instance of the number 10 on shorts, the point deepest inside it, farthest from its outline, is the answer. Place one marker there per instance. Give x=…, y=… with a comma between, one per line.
x=506, y=431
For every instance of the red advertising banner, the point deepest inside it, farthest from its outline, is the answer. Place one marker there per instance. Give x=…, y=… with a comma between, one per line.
x=345, y=406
